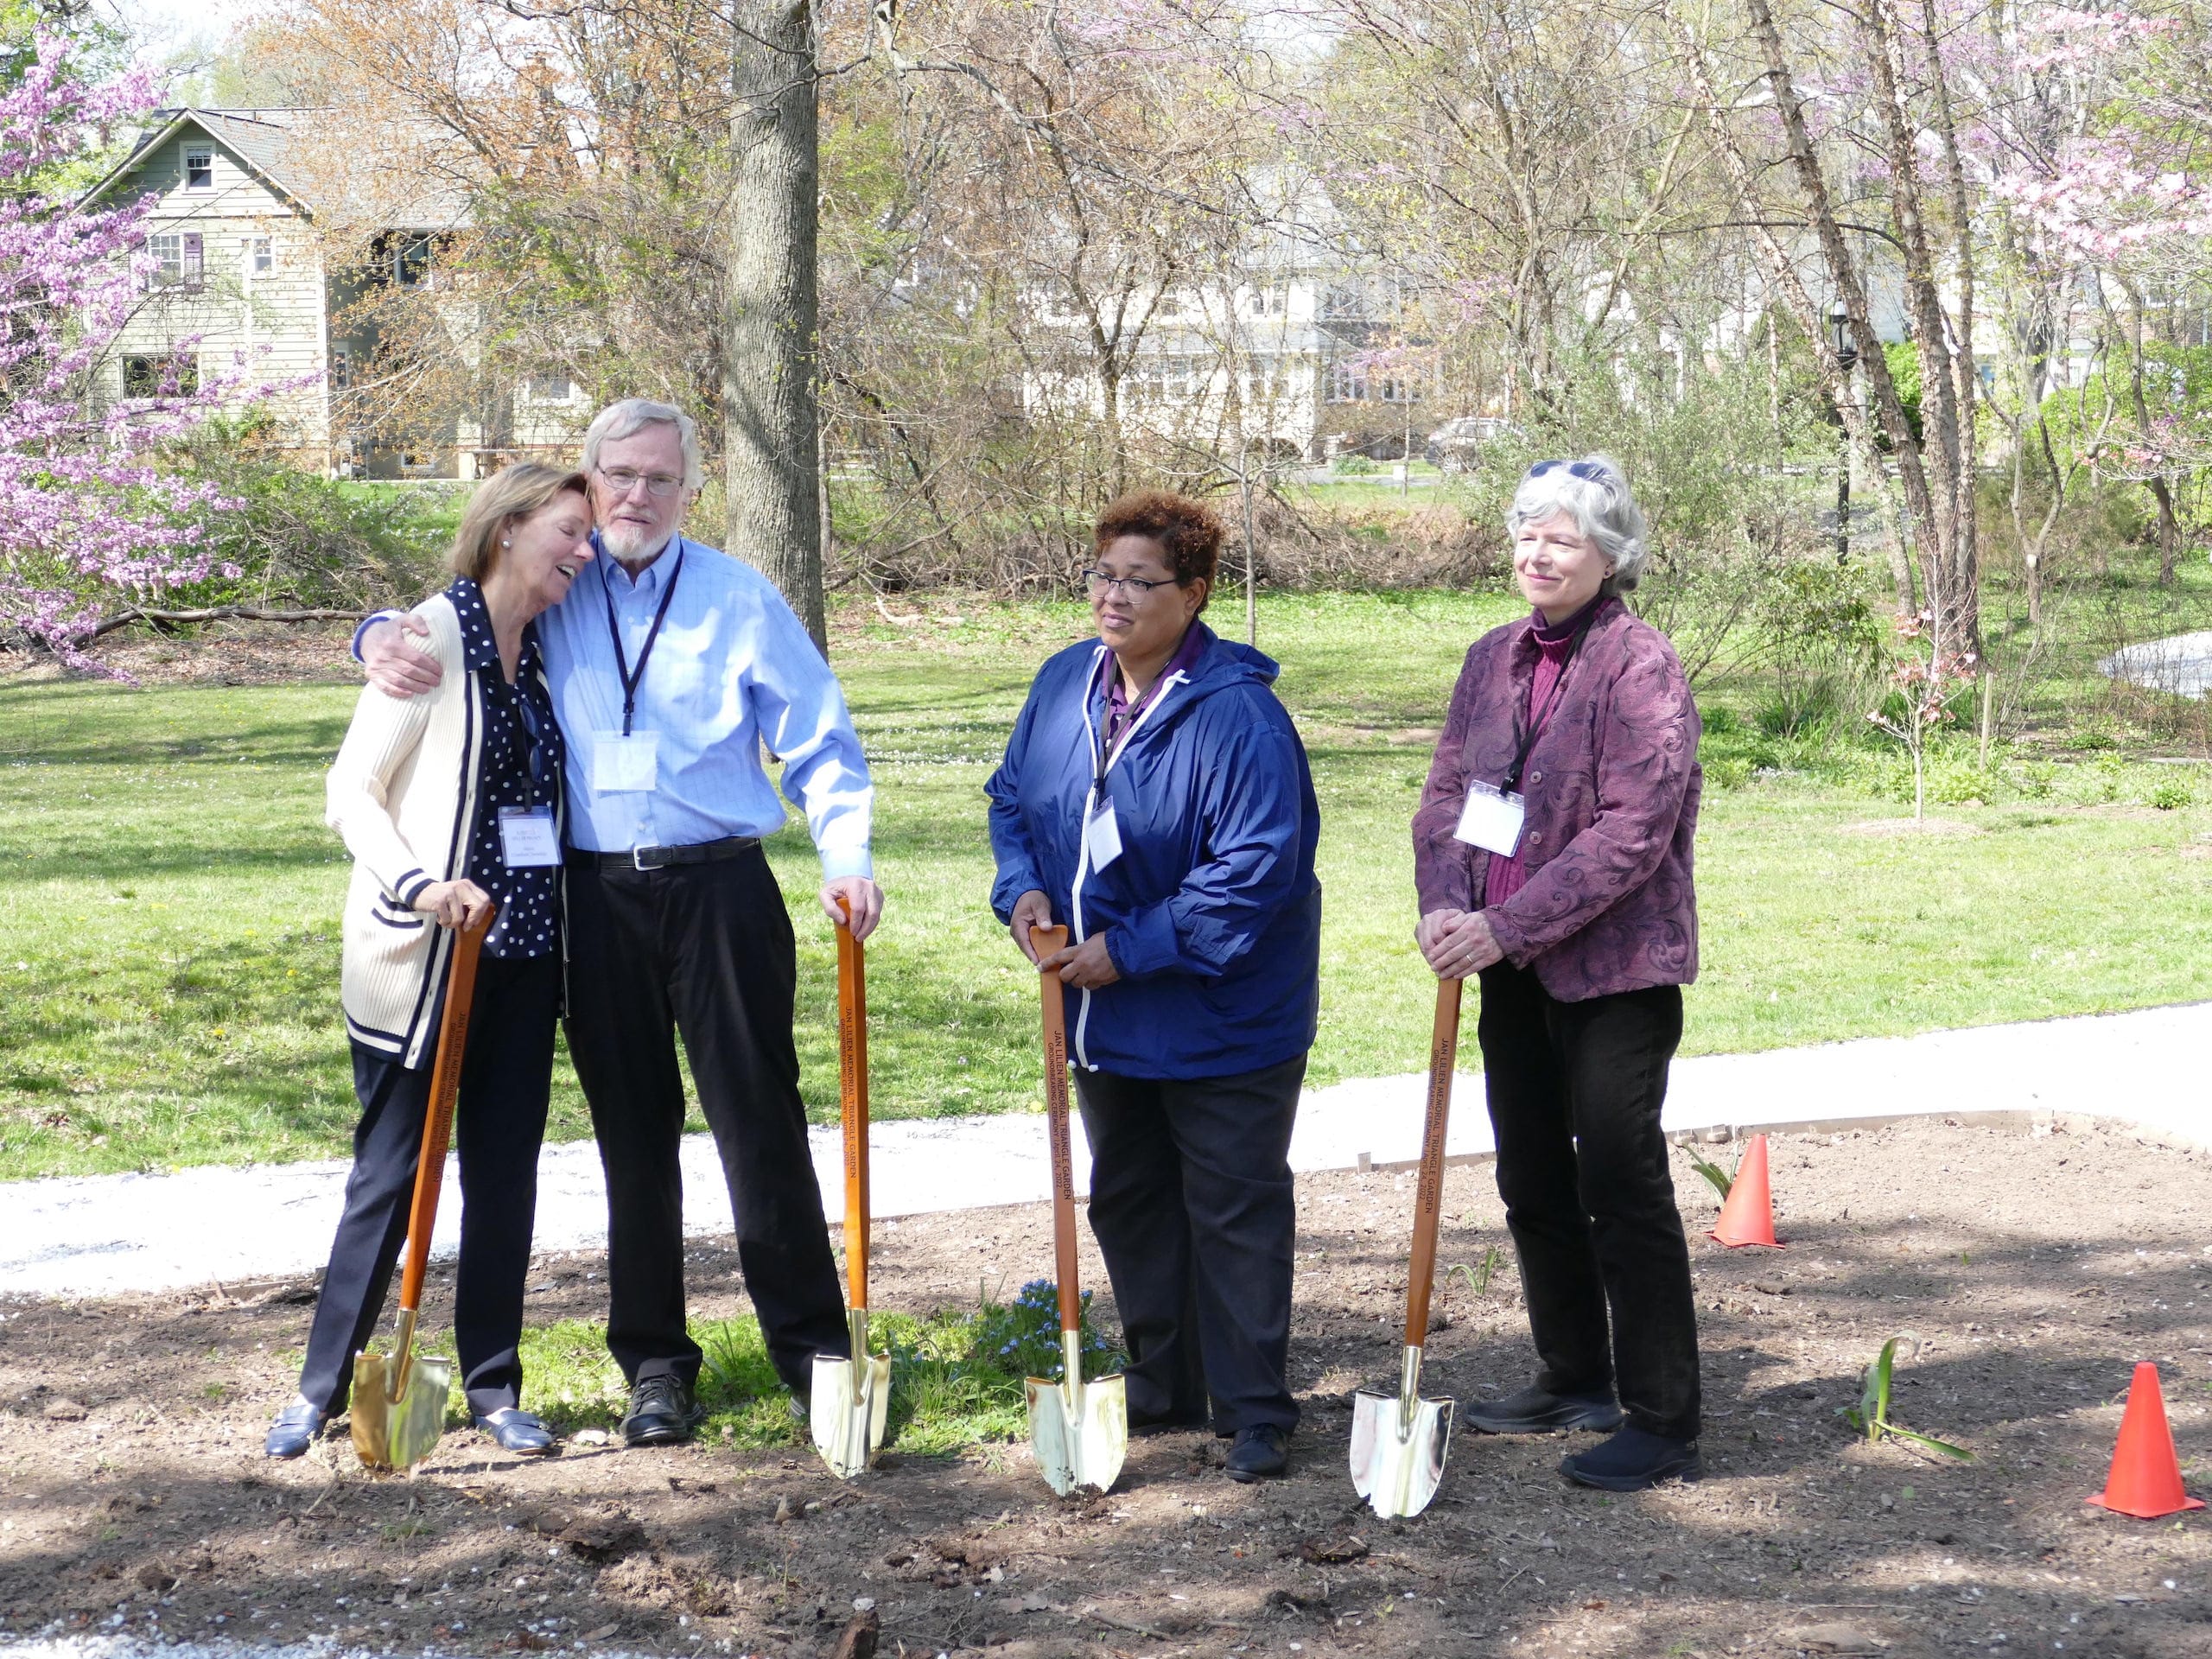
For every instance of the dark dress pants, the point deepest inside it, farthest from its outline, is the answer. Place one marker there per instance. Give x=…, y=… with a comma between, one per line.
x=498, y=1123
x=1194, y=1209
x=704, y=950
x=1575, y=1090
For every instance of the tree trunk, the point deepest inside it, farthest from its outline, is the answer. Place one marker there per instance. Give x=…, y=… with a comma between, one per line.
x=771, y=432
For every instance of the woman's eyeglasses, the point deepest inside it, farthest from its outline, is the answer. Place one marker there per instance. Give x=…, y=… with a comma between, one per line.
x=1096, y=582
x=622, y=480
x=1583, y=469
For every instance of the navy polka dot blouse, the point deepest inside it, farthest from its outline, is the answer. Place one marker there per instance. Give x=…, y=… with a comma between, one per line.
x=522, y=767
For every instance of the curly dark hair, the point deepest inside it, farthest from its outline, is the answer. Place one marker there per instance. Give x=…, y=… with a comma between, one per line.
x=1187, y=532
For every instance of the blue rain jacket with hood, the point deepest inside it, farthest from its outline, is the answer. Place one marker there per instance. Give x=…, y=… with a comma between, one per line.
x=1212, y=913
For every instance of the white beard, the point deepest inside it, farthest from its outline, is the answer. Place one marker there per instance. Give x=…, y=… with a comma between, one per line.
x=629, y=544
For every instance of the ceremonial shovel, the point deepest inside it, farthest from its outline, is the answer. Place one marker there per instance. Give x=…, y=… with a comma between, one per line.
x=851, y=1396
x=399, y=1404
x=1079, y=1430
x=1398, y=1441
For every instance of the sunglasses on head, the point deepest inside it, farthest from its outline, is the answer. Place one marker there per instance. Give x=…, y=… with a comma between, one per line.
x=1584, y=469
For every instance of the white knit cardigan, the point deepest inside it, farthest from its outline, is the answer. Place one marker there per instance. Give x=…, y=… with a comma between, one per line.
x=403, y=793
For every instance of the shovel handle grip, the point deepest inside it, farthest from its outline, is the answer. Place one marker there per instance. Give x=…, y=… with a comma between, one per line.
x=438, y=1123
x=1428, y=1200
x=852, y=1093
x=1044, y=941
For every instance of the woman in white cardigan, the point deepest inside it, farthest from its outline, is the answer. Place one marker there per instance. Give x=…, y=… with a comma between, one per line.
x=450, y=802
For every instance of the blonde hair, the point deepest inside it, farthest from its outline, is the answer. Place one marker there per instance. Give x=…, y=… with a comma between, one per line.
x=506, y=496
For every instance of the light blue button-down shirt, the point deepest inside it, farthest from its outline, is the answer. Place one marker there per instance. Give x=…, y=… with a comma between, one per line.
x=732, y=669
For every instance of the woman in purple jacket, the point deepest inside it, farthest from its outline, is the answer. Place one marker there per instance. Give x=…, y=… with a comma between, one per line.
x=1552, y=852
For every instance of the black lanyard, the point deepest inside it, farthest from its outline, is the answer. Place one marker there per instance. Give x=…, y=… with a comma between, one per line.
x=630, y=681
x=1525, y=736
x=525, y=738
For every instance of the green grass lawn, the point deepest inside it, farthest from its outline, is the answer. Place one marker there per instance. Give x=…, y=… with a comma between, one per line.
x=169, y=896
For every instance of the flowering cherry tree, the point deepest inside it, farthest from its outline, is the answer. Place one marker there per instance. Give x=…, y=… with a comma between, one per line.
x=85, y=515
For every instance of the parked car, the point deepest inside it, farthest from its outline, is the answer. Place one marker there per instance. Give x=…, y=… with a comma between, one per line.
x=1454, y=445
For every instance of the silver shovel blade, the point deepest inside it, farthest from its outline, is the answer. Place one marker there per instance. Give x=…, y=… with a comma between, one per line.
x=1396, y=1469
x=848, y=1409
x=1079, y=1442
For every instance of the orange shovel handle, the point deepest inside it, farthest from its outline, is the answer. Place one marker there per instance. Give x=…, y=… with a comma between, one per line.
x=445, y=1088
x=1428, y=1202
x=1044, y=941
x=852, y=1093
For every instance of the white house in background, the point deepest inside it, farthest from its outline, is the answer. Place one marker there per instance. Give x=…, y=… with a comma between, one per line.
x=242, y=230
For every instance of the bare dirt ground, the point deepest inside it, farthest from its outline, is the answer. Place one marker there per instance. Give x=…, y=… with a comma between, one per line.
x=2035, y=1269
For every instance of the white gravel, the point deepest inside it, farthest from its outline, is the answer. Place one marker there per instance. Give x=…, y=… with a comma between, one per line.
x=224, y=1225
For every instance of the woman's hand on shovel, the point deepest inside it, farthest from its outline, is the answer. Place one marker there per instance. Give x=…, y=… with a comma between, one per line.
x=454, y=904
x=1086, y=966
x=1457, y=942
x=1031, y=910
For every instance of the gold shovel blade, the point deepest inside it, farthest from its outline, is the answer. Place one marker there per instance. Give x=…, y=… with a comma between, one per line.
x=398, y=1434
x=1396, y=1469
x=1079, y=1441
x=851, y=1399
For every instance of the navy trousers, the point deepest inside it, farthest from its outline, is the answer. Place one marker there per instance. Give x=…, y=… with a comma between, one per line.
x=1575, y=1090
x=1194, y=1209
x=705, y=951
x=498, y=1123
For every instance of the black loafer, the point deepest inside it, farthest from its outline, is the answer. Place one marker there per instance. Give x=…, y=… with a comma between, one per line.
x=1539, y=1411
x=662, y=1413
x=294, y=1430
x=517, y=1431
x=1259, y=1454
x=1634, y=1460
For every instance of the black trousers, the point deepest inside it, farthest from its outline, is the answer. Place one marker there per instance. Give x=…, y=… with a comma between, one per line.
x=499, y=1123
x=704, y=950
x=1575, y=1090
x=1194, y=1209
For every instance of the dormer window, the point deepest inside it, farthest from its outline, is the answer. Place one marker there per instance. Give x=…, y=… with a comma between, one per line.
x=199, y=166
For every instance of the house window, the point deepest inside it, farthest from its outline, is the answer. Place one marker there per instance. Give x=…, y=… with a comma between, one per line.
x=260, y=255
x=1151, y=380
x=1347, y=383
x=548, y=388
x=341, y=368
x=199, y=167
x=179, y=260
x=1343, y=303
x=410, y=264
x=160, y=377
x=1269, y=301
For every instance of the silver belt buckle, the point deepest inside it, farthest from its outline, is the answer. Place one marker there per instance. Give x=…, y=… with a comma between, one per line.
x=637, y=860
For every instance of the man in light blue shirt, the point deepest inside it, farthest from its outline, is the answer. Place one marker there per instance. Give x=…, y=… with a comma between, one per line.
x=671, y=664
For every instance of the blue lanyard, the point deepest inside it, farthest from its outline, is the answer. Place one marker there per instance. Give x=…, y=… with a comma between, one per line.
x=630, y=681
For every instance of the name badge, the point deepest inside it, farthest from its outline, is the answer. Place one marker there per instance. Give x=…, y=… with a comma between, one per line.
x=1491, y=819
x=620, y=764
x=1102, y=837
x=527, y=838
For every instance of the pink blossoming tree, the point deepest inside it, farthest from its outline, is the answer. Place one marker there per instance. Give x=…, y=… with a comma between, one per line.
x=86, y=517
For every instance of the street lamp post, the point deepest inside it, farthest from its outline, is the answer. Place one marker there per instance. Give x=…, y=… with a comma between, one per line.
x=1846, y=354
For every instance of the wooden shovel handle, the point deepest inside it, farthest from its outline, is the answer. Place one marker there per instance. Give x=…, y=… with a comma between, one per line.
x=1044, y=941
x=1428, y=1202
x=445, y=1088
x=852, y=1093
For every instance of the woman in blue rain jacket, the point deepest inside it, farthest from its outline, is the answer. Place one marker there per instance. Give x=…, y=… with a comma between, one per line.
x=1155, y=799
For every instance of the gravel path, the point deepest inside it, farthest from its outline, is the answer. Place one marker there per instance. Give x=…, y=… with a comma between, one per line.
x=97, y=1236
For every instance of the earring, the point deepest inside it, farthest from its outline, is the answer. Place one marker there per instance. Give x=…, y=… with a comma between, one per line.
x=508, y=540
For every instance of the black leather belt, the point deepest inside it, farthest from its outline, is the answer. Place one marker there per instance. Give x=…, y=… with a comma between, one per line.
x=659, y=858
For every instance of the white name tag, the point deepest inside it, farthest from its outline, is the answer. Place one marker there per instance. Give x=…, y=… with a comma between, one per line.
x=1102, y=836
x=1491, y=819
x=620, y=763
x=527, y=839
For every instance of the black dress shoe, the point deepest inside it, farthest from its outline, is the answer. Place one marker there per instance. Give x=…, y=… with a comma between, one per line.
x=662, y=1413
x=1258, y=1453
x=1539, y=1411
x=1634, y=1460
x=294, y=1430
x=517, y=1431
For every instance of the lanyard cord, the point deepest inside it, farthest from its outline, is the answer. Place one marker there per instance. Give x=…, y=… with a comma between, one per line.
x=1525, y=738
x=630, y=681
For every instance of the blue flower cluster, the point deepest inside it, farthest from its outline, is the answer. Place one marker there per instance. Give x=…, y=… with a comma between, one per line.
x=1023, y=1337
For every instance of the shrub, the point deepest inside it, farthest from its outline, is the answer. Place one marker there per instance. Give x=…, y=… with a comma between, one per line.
x=2171, y=798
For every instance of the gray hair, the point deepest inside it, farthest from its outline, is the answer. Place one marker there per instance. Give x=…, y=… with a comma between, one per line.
x=1593, y=492
x=631, y=416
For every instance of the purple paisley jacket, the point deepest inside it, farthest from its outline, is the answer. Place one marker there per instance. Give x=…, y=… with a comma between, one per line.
x=1612, y=788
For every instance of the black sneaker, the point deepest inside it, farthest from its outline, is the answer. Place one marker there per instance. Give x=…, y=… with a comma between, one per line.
x=1634, y=1460
x=1258, y=1453
x=662, y=1413
x=1539, y=1411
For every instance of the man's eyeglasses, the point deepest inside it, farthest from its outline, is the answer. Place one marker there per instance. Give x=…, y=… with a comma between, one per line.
x=1583, y=469
x=1096, y=582
x=622, y=480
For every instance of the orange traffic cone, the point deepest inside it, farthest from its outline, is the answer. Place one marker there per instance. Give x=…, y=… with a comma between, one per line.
x=2145, y=1477
x=1747, y=1213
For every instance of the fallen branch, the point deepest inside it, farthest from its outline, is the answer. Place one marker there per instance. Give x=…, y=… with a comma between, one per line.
x=123, y=619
